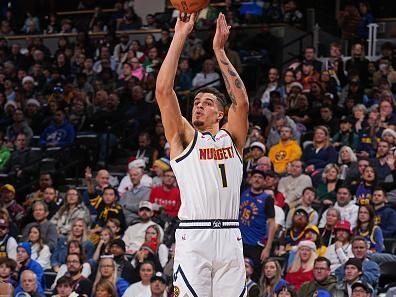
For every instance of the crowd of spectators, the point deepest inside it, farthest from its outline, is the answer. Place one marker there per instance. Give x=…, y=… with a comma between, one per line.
x=318, y=198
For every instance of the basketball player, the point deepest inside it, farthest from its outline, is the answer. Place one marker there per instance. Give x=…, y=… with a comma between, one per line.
x=208, y=166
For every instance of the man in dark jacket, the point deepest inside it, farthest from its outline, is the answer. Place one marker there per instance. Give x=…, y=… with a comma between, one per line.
x=322, y=279
x=386, y=216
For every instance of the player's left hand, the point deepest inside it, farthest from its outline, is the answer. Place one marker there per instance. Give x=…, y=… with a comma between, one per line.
x=222, y=33
x=264, y=254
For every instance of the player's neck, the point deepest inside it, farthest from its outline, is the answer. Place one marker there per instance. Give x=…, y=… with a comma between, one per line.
x=211, y=129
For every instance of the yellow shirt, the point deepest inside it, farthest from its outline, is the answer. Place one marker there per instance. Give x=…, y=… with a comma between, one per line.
x=282, y=154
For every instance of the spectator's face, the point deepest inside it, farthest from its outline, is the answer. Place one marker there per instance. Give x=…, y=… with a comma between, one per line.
x=135, y=176
x=22, y=255
x=78, y=228
x=72, y=197
x=305, y=253
x=263, y=164
x=3, y=230
x=345, y=155
x=382, y=149
x=39, y=212
x=343, y=197
x=105, y=236
x=369, y=174
x=285, y=133
x=270, y=270
x=28, y=283
x=357, y=50
x=351, y=273
x=331, y=174
x=295, y=168
x=5, y=271
x=359, y=249
x=6, y=196
x=363, y=215
x=45, y=181
x=273, y=75
x=73, y=264
x=74, y=248
x=289, y=77
x=59, y=117
x=146, y=272
x=116, y=250
x=362, y=164
x=106, y=268
x=145, y=214
x=388, y=137
x=109, y=196
x=153, y=54
x=257, y=182
x=308, y=197
x=331, y=217
x=103, y=178
x=300, y=219
x=342, y=235
x=64, y=290
x=385, y=108
x=168, y=179
x=127, y=70
x=34, y=235
x=321, y=271
x=101, y=291
x=309, y=54
x=88, y=64
x=325, y=113
x=113, y=227
x=256, y=153
x=379, y=198
x=143, y=141
x=158, y=287
x=320, y=136
x=335, y=52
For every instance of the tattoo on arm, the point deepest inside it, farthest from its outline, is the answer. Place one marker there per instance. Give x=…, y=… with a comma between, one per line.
x=224, y=62
x=232, y=97
x=238, y=83
x=231, y=72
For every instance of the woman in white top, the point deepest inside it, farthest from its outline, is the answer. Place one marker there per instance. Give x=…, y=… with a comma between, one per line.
x=163, y=251
x=40, y=251
x=142, y=288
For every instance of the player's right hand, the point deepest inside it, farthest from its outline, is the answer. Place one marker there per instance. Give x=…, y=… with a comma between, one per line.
x=185, y=23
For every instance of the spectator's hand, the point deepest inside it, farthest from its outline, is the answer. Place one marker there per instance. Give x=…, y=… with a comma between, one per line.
x=130, y=252
x=327, y=202
x=222, y=33
x=265, y=254
x=88, y=172
x=338, y=244
x=185, y=23
x=390, y=160
x=310, y=168
x=363, y=154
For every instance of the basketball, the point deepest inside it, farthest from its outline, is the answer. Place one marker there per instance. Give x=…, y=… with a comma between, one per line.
x=189, y=6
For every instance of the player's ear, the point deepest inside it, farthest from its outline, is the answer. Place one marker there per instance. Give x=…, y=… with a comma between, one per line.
x=220, y=115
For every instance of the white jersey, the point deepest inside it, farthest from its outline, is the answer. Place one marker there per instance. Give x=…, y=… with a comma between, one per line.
x=209, y=175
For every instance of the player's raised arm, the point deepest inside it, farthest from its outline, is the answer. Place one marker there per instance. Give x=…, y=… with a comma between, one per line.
x=237, y=123
x=174, y=123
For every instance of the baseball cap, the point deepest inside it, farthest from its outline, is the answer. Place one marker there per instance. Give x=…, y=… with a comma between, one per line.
x=301, y=211
x=145, y=204
x=345, y=119
x=8, y=187
x=307, y=243
x=27, y=78
x=259, y=145
x=321, y=293
x=297, y=85
x=343, y=225
x=159, y=276
x=360, y=284
x=355, y=262
x=118, y=242
x=249, y=262
x=257, y=171
x=137, y=163
x=4, y=223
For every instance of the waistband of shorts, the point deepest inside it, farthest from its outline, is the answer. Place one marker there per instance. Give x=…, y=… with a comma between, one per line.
x=208, y=224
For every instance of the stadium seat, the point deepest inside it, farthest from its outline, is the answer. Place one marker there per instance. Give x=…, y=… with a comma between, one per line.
x=390, y=245
x=49, y=279
x=388, y=274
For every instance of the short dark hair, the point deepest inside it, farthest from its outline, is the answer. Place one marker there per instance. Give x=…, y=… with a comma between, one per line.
x=64, y=280
x=358, y=238
x=80, y=258
x=10, y=263
x=221, y=99
x=309, y=189
x=323, y=259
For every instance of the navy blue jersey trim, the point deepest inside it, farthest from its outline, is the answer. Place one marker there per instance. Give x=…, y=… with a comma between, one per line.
x=180, y=270
x=181, y=158
x=243, y=292
x=233, y=144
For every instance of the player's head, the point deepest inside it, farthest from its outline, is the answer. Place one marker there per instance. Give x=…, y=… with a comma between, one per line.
x=209, y=107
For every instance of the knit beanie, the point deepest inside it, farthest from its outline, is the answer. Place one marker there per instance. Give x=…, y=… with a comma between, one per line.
x=27, y=246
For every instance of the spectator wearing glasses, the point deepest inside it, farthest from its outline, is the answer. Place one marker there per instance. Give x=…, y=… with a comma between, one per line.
x=322, y=279
x=80, y=284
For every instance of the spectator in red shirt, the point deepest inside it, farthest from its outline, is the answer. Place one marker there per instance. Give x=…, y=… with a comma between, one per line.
x=167, y=196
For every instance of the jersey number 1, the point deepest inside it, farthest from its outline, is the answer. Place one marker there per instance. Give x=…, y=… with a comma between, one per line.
x=223, y=175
